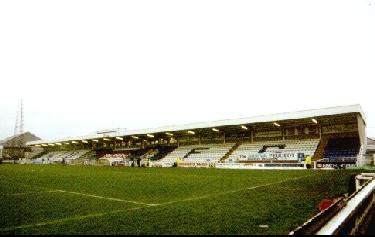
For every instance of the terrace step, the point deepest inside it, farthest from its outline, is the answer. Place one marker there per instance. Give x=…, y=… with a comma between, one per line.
x=230, y=152
x=320, y=149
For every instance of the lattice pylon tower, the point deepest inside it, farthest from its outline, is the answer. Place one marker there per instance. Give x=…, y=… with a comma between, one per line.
x=18, y=128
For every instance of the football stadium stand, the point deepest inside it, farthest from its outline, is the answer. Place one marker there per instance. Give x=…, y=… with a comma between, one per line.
x=162, y=151
x=342, y=149
x=172, y=157
x=210, y=153
x=333, y=137
x=287, y=150
x=61, y=156
x=127, y=158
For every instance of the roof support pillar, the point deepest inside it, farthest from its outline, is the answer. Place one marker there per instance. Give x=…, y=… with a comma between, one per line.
x=320, y=132
x=1, y=152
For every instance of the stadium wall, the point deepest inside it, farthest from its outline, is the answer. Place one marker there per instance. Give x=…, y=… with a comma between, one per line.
x=361, y=161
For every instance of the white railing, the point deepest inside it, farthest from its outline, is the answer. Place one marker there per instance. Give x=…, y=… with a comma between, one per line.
x=347, y=216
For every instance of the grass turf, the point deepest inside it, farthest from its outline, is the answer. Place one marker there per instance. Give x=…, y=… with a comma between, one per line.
x=99, y=200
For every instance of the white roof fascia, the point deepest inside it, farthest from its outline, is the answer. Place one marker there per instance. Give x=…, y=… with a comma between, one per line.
x=228, y=122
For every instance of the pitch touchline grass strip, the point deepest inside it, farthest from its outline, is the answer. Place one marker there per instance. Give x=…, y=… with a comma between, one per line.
x=58, y=221
x=107, y=198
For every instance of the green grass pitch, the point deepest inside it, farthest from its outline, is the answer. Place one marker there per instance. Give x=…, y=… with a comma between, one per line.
x=57, y=199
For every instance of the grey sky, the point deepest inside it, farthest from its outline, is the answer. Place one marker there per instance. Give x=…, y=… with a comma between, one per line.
x=82, y=66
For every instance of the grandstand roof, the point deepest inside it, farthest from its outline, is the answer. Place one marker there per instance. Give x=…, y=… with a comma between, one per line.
x=220, y=123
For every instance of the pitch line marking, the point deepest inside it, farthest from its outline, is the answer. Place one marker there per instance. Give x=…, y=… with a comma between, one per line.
x=233, y=191
x=58, y=221
x=27, y=193
x=83, y=194
x=107, y=198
